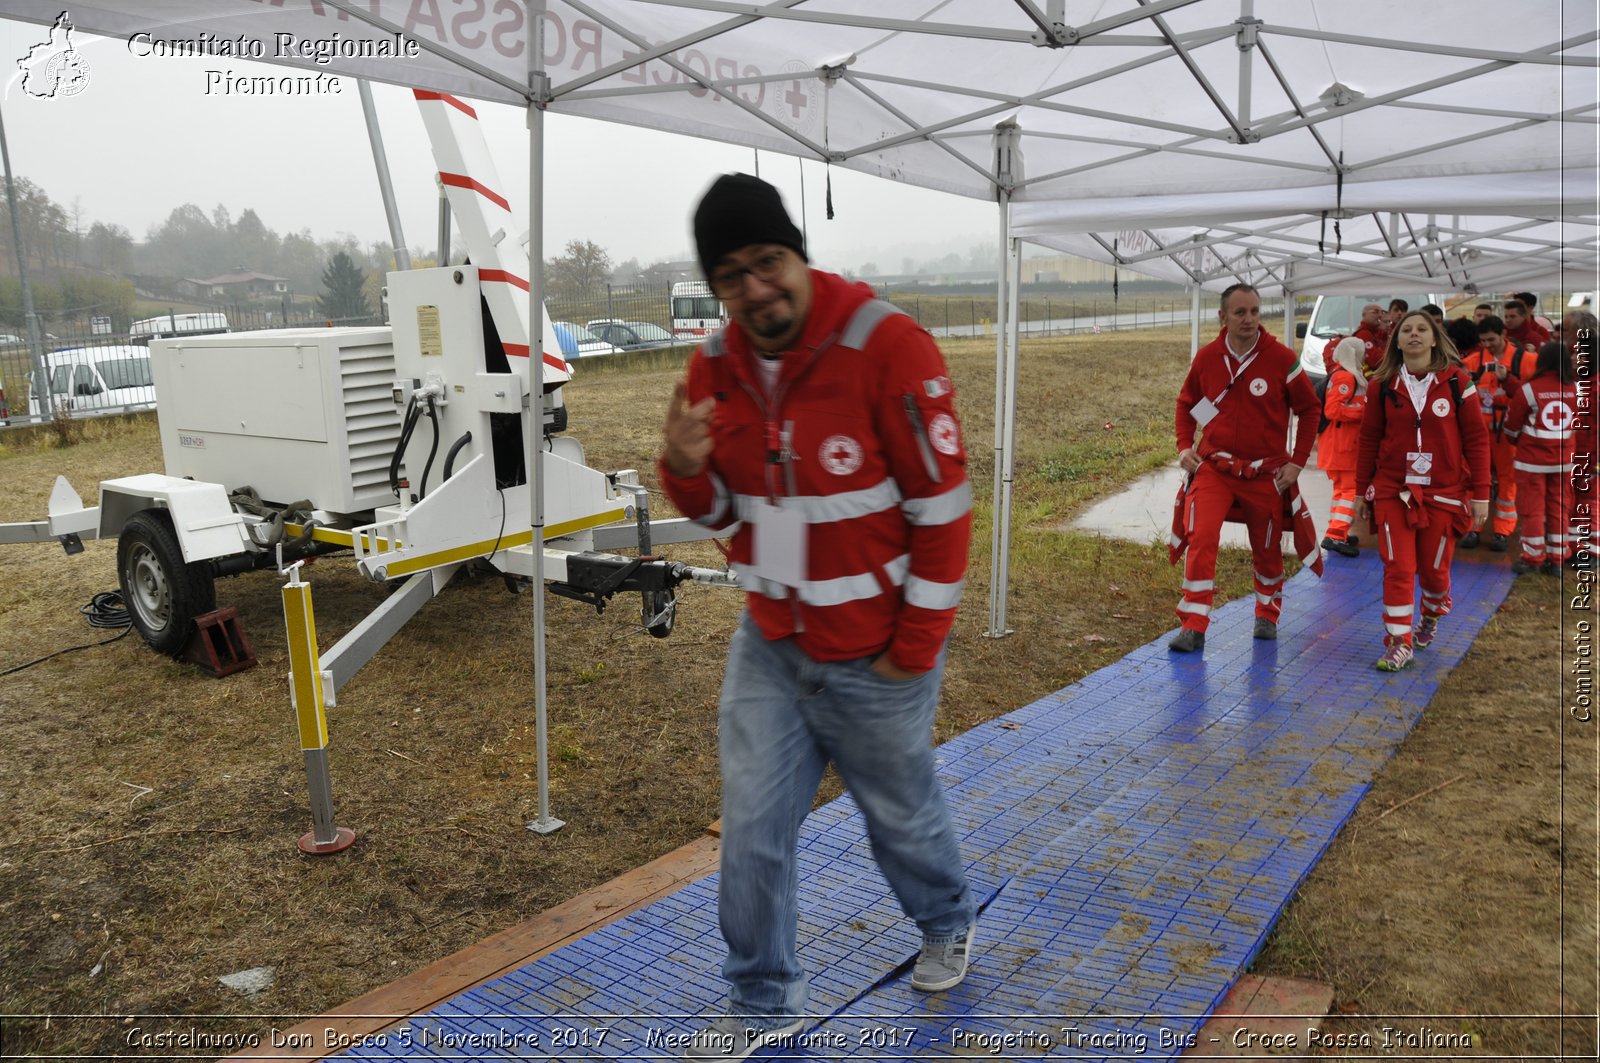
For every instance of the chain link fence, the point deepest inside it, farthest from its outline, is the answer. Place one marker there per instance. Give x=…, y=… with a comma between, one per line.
x=99, y=373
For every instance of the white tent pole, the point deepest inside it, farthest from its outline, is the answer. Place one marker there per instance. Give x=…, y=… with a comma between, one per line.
x=402, y=257
x=539, y=90
x=996, y=569
x=1013, y=319
x=1194, y=319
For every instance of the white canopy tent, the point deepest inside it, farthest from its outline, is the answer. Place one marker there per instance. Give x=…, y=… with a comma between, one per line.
x=1166, y=118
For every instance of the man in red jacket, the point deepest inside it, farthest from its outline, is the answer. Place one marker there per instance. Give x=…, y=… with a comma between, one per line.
x=1374, y=332
x=1521, y=328
x=819, y=431
x=1240, y=392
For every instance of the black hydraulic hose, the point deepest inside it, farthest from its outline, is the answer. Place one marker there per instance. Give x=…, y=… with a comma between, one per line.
x=408, y=423
x=433, y=451
x=455, y=448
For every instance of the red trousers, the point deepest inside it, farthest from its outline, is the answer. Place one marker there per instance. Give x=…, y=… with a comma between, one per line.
x=1211, y=495
x=1342, y=513
x=1503, y=514
x=1412, y=555
x=1545, y=505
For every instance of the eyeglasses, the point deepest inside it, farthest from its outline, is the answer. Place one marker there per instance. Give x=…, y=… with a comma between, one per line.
x=729, y=284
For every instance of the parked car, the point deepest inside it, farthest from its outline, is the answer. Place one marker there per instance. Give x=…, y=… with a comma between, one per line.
x=1338, y=315
x=89, y=379
x=632, y=335
x=578, y=342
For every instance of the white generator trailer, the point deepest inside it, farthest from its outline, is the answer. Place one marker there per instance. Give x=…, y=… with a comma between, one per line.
x=405, y=444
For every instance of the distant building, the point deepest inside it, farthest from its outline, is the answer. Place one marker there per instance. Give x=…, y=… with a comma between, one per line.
x=244, y=284
x=1067, y=269
x=670, y=272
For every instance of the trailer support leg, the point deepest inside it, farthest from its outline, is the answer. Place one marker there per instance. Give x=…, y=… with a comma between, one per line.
x=305, y=693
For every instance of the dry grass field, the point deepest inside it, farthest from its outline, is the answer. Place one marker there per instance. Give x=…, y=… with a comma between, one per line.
x=148, y=845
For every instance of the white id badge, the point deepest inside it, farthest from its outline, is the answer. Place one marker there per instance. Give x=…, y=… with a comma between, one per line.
x=1420, y=464
x=779, y=549
x=1203, y=411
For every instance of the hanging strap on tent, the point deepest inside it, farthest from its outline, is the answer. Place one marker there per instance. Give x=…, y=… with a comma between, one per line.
x=1115, y=258
x=1338, y=203
x=827, y=154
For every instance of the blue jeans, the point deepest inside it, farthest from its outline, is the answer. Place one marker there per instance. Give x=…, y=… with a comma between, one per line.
x=782, y=718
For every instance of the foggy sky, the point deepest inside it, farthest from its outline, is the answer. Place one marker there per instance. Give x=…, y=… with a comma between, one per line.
x=146, y=136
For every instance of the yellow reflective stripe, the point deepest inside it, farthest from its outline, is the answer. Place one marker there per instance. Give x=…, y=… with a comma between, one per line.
x=305, y=666
x=481, y=549
x=336, y=536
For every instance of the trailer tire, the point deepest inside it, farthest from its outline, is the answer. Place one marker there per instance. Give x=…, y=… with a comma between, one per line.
x=163, y=593
x=660, y=604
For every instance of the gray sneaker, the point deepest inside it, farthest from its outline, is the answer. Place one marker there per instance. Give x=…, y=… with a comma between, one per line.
x=1265, y=629
x=1187, y=641
x=733, y=1037
x=943, y=965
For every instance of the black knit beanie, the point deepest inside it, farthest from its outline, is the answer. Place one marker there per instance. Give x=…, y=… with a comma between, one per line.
x=739, y=210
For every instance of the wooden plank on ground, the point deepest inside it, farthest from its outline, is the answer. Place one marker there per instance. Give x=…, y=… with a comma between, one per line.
x=506, y=951
x=1264, y=1017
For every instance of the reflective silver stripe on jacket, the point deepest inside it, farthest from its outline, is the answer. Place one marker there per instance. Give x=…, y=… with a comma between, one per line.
x=865, y=321
x=939, y=509
x=926, y=594
x=826, y=509
x=837, y=591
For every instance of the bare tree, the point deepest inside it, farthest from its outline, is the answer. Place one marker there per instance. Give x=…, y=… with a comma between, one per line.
x=583, y=270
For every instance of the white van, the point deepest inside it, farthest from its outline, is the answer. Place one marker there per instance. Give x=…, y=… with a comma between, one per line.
x=205, y=323
x=87, y=380
x=696, y=313
x=1338, y=315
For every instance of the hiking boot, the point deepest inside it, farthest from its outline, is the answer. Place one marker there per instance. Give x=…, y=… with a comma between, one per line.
x=943, y=965
x=1549, y=568
x=1353, y=540
x=1522, y=566
x=1425, y=633
x=1342, y=547
x=1266, y=630
x=1395, y=657
x=1468, y=541
x=1498, y=543
x=733, y=1037
x=1188, y=640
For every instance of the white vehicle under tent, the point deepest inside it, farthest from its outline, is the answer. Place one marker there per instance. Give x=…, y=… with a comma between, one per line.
x=1165, y=127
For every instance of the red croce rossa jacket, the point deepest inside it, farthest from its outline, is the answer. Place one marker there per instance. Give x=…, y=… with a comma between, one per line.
x=860, y=436
x=1540, y=423
x=1451, y=430
x=1252, y=422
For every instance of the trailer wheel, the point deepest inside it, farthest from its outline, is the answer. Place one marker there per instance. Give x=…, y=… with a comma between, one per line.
x=162, y=593
x=663, y=607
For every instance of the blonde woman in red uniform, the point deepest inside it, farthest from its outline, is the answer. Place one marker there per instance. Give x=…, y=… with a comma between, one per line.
x=1422, y=471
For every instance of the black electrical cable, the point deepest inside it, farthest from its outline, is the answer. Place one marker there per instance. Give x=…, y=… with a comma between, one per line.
x=408, y=423
x=105, y=610
x=450, y=456
x=433, y=451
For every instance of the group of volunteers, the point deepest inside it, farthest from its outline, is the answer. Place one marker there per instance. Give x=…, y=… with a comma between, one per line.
x=818, y=433
x=1425, y=422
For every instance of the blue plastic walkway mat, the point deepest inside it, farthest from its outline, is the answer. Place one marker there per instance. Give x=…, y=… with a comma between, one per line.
x=1131, y=839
